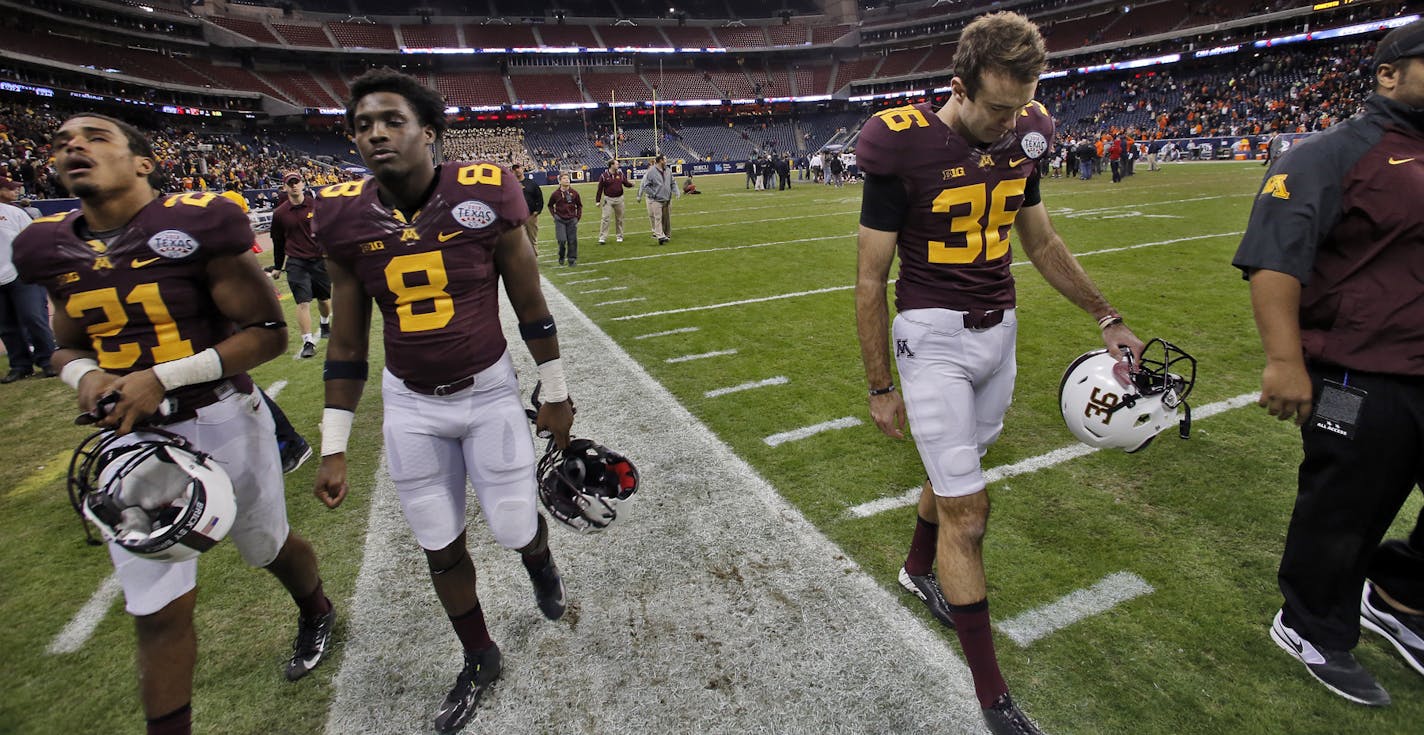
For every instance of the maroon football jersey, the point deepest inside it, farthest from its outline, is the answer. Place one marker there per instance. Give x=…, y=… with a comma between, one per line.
x=433, y=277
x=954, y=245
x=143, y=298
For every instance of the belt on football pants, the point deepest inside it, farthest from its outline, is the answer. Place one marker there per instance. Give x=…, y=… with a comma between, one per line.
x=978, y=319
x=186, y=407
x=440, y=390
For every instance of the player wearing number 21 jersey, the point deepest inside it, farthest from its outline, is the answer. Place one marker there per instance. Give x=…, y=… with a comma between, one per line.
x=159, y=300
x=429, y=245
x=944, y=188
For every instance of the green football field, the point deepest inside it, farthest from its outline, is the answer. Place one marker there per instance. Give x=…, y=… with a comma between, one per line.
x=1169, y=555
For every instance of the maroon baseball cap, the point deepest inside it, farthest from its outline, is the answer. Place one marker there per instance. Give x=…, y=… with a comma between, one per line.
x=10, y=184
x=291, y=177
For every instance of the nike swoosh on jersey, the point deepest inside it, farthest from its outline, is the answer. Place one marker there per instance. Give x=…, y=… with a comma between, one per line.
x=442, y=237
x=136, y=263
x=1396, y=161
x=1013, y=163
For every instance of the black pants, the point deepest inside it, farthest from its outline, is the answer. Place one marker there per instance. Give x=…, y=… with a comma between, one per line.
x=1350, y=491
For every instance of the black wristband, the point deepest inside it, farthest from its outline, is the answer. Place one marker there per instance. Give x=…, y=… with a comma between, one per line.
x=882, y=391
x=538, y=329
x=344, y=370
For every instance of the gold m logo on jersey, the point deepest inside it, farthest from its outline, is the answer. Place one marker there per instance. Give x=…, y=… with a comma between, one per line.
x=409, y=233
x=1102, y=404
x=102, y=263
x=986, y=160
x=1276, y=187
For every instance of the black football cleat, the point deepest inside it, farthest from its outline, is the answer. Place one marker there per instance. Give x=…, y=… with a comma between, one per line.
x=294, y=454
x=1005, y=718
x=324, y=330
x=313, y=637
x=15, y=375
x=927, y=588
x=549, y=590
x=308, y=350
x=480, y=672
x=1404, y=630
x=1336, y=669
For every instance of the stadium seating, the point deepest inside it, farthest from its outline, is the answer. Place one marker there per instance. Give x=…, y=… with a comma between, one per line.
x=429, y=36
x=467, y=88
x=631, y=37
x=303, y=35
x=363, y=35
x=628, y=86
x=498, y=35
x=545, y=88
x=253, y=29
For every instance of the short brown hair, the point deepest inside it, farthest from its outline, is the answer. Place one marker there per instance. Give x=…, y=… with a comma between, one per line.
x=1004, y=42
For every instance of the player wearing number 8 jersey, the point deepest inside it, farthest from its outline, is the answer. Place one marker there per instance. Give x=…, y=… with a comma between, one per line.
x=944, y=187
x=429, y=245
x=161, y=299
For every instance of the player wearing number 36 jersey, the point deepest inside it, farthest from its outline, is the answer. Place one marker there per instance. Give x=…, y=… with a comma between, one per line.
x=944, y=187
x=429, y=245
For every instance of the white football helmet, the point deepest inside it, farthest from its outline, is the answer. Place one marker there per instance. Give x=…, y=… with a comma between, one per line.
x=156, y=496
x=1124, y=404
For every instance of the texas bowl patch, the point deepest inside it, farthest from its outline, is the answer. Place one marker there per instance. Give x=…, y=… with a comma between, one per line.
x=474, y=214
x=1034, y=144
x=173, y=244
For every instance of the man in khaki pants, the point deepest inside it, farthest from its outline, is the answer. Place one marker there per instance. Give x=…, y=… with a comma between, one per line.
x=610, y=198
x=660, y=189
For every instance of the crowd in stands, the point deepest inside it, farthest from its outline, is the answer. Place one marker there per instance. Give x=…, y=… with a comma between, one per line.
x=503, y=145
x=1291, y=91
x=187, y=160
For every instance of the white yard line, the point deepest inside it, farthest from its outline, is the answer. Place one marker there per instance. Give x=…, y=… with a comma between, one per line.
x=712, y=606
x=832, y=289
x=588, y=280
x=778, y=380
x=82, y=626
x=1110, y=591
x=1040, y=462
x=276, y=388
x=810, y=431
x=605, y=290
x=682, y=330
x=621, y=301
x=698, y=251
x=700, y=356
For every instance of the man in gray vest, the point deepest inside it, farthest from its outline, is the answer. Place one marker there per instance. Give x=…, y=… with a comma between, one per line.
x=660, y=189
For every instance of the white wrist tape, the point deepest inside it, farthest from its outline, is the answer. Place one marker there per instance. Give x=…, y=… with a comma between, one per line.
x=75, y=370
x=203, y=367
x=554, y=388
x=335, y=430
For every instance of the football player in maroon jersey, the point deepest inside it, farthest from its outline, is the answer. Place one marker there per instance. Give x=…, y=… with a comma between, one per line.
x=161, y=300
x=429, y=246
x=943, y=187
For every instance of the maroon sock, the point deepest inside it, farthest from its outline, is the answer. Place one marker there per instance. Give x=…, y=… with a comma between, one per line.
x=971, y=622
x=177, y=722
x=922, y=548
x=470, y=629
x=314, y=604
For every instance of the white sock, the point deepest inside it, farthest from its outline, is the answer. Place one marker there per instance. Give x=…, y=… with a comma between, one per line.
x=326, y=320
x=309, y=338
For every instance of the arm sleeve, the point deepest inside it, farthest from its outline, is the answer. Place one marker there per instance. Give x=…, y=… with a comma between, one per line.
x=884, y=203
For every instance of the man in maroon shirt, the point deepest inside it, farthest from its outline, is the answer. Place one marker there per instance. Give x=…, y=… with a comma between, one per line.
x=294, y=247
x=943, y=188
x=567, y=208
x=610, y=197
x=429, y=245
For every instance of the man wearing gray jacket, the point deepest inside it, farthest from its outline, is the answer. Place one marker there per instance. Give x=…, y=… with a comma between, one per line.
x=659, y=187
